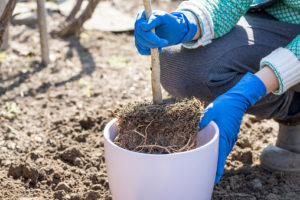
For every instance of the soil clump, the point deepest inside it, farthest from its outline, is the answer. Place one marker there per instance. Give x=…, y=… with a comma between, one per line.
x=165, y=128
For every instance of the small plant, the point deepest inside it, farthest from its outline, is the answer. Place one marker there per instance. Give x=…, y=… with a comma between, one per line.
x=84, y=35
x=82, y=82
x=2, y=55
x=11, y=112
x=88, y=91
x=118, y=62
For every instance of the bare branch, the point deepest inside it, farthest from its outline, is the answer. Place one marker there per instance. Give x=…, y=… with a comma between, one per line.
x=74, y=26
x=5, y=18
x=74, y=10
x=155, y=64
x=42, y=22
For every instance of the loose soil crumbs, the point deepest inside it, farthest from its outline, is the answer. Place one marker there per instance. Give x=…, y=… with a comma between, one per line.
x=169, y=127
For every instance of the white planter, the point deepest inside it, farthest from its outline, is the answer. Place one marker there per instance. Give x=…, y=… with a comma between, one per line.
x=180, y=176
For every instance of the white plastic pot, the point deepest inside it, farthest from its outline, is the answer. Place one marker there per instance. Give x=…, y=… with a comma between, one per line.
x=180, y=176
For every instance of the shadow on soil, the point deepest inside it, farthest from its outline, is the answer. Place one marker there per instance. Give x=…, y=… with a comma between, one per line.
x=86, y=60
x=87, y=65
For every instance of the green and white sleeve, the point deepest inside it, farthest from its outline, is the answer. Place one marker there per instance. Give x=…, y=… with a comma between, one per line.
x=286, y=11
x=286, y=64
x=216, y=17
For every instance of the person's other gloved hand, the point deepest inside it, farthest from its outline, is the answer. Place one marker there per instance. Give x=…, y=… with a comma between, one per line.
x=171, y=28
x=227, y=111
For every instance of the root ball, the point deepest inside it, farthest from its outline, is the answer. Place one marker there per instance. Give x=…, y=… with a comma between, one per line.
x=169, y=127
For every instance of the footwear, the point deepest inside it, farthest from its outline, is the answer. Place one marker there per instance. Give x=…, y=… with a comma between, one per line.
x=275, y=158
x=285, y=156
x=293, y=112
x=289, y=138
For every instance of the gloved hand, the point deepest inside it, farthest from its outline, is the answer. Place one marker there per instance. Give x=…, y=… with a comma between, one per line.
x=171, y=28
x=227, y=111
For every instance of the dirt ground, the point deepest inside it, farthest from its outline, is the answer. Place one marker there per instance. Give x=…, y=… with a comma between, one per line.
x=52, y=118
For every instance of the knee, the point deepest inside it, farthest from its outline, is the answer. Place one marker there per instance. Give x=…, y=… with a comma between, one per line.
x=186, y=73
x=171, y=73
x=182, y=75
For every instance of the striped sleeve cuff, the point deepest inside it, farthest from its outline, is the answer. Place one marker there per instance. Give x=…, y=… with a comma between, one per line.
x=205, y=21
x=286, y=67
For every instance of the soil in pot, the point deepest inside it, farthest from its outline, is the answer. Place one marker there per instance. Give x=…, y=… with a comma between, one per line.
x=166, y=128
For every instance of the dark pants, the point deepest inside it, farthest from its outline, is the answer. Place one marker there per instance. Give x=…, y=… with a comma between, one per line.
x=209, y=71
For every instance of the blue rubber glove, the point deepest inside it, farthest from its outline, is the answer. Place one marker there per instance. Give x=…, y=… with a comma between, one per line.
x=171, y=28
x=227, y=111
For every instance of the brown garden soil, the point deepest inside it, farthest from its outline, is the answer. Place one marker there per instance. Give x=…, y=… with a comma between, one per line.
x=52, y=148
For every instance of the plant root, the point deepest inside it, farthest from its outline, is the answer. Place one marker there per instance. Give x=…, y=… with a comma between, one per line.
x=156, y=146
x=170, y=127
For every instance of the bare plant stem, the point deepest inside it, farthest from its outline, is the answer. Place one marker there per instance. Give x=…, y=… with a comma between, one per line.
x=75, y=24
x=155, y=65
x=74, y=11
x=5, y=17
x=42, y=22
